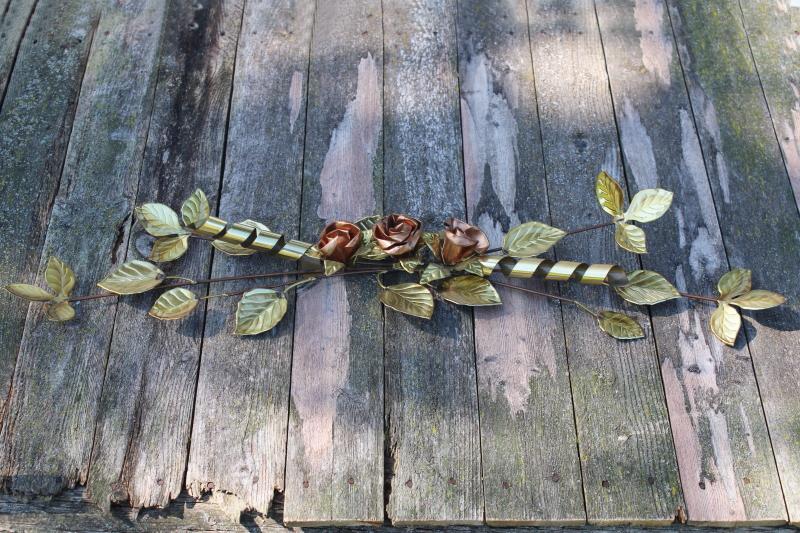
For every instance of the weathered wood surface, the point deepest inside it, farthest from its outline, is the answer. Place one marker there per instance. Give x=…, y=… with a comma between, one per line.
x=48, y=424
x=773, y=33
x=334, y=464
x=531, y=473
x=626, y=450
x=757, y=212
x=35, y=124
x=141, y=440
x=431, y=397
x=71, y=511
x=16, y=15
x=238, y=444
x=724, y=455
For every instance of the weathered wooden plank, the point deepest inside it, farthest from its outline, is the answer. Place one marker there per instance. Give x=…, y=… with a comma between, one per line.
x=334, y=469
x=755, y=206
x=35, y=124
x=627, y=456
x=724, y=454
x=238, y=443
x=531, y=472
x=13, y=22
x=141, y=440
x=46, y=431
x=431, y=404
x=773, y=32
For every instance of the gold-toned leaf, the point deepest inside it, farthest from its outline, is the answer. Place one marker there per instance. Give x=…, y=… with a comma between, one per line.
x=734, y=283
x=531, y=239
x=409, y=298
x=648, y=205
x=195, y=210
x=619, y=325
x=132, y=277
x=159, y=220
x=366, y=223
x=631, y=238
x=370, y=252
x=235, y=249
x=259, y=310
x=609, y=194
x=433, y=272
x=725, y=323
x=59, y=277
x=169, y=248
x=173, y=304
x=434, y=242
x=758, y=299
x=469, y=290
x=29, y=292
x=332, y=267
x=60, y=312
x=409, y=264
x=471, y=265
x=646, y=287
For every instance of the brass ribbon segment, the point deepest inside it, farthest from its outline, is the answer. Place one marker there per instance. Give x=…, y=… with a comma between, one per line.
x=253, y=238
x=529, y=267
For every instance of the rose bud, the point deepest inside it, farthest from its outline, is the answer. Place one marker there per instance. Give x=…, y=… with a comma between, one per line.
x=339, y=241
x=461, y=241
x=397, y=234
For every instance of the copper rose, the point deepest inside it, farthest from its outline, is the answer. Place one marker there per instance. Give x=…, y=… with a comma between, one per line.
x=397, y=234
x=339, y=241
x=461, y=241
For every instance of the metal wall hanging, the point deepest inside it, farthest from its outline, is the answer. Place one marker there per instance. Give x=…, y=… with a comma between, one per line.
x=453, y=264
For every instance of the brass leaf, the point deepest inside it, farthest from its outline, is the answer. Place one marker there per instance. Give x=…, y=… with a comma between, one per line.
x=630, y=238
x=609, y=194
x=734, y=283
x=173, y=304
x=646, y=287
x=758, y=299
x=469, y=290
x=531, y=239
x=366, y=223
x=370, y=252
x=433, y=241
x=433, y=272
x=235, y=249
x=259, y=310
x=169, y=248
x=195, y=210
x=29, y=292
x=409, y=264
x=471, y=265
x=132, y=277
x=59, y=277
x=332, y=267
x=619, y=325
x=648, y=205
x=725, y=323
x=60, y=312
x=409, y=298
x=159, y=220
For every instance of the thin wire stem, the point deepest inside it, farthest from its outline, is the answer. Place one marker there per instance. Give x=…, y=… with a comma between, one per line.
x=571, y=232
x=545, y=294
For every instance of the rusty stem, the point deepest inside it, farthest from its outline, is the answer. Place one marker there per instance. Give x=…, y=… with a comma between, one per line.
x=545, y=294
x=698, y=297
x=238, y=278
x=571, y=232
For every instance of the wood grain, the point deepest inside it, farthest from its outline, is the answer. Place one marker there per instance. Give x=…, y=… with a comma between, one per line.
x=773, y=33
x=14, y=20
x=238, y=443
x=334, y=469
x=35, y=124
x=724, y=454
x=626, y=450
x=60, y=367
x=431, y=398
x=748, y=176
x=531, y=472
x=141, y=440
